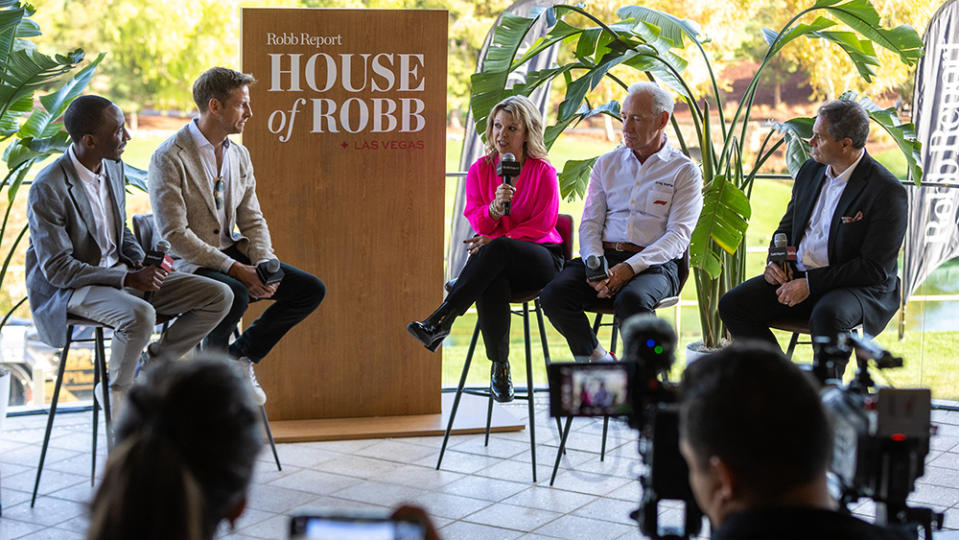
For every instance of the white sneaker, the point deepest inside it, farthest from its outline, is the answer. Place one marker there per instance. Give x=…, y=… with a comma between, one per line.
x=116, y=400
x=258, y=394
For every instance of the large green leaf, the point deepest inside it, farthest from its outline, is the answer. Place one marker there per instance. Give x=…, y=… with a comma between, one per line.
x=673, y=28
x=777, y=41
x=903, y=134
x=797, y=131
x=862, y=17
x=40, y=123
x=28, y=70
x=489, y=86
x=722, y=223
x=574, y=179
x=860, y=51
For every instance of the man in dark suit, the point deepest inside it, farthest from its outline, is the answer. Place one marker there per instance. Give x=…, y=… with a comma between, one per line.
x=84, y=262
x=847, y=217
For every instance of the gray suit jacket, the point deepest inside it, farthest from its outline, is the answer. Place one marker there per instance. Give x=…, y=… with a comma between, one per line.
x=182, y=199
x=63, y=254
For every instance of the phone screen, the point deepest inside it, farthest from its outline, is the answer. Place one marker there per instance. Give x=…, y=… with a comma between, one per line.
x=330, y=527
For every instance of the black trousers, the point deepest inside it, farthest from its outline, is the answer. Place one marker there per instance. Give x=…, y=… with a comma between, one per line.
x=566, y=298
x=298, y=294
x=492, y=275
x=748, y=309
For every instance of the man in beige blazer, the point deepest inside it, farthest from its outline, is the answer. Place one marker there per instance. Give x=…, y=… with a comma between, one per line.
x=204, y=201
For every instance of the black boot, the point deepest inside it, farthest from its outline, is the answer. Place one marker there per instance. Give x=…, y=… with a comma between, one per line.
x=500, y=384
x=435, y=328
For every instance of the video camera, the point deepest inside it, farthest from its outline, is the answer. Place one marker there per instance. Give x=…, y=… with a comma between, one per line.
x=639, y=389
x=880, y=435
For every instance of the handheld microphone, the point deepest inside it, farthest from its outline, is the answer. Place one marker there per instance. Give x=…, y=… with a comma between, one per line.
x=269, y=271
x=597, y=268
x=508, y=168
x=158, y=257
x=781, y=254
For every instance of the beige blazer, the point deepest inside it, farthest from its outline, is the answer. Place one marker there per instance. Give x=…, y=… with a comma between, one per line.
x=185, y=213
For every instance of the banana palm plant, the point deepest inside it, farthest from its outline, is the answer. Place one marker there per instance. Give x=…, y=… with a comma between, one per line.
x=653, y=42
x=28, y=127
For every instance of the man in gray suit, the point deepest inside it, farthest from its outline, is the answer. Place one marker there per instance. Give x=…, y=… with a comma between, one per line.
x=85, y=262
x=202, y=190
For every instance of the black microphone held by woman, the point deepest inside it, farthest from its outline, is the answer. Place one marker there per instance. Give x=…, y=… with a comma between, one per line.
x=516, y=247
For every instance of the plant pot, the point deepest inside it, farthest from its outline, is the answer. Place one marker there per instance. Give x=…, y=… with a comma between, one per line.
x=695, y=351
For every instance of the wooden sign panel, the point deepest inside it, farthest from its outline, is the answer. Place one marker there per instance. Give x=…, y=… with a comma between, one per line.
x=348, y=146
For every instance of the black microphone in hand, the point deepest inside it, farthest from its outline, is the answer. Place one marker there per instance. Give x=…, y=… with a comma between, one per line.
x=779, y=254
x=597, y=269
x=508, y=168
x=269, y=271
x=157, y=257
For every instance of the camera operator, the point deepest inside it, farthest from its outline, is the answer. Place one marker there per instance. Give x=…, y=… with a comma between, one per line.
x=758, y=445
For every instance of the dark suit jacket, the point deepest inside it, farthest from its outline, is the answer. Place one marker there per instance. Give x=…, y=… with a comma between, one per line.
x=865, y=235
x=63, y=253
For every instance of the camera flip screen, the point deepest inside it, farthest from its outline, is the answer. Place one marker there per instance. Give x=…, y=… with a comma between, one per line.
x=578, y=389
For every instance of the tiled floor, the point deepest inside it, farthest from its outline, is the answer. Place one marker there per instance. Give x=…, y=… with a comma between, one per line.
x=481, y=492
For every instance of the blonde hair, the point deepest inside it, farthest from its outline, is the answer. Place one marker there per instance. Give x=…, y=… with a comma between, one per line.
x=522, y=110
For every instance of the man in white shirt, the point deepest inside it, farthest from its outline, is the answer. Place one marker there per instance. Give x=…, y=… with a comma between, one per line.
x=847, y=218
x=85, y=262
x=643, y=201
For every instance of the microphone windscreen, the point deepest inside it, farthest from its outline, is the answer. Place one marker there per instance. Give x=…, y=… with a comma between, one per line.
x=273, y=265
x=592, y=262
x=509, y=157
x=163, y=246
x=780, y=240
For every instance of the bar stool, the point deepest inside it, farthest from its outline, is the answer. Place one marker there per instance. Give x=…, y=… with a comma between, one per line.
x=605, y=307
x=798, y=327
x=564, y=226
x=99, y=375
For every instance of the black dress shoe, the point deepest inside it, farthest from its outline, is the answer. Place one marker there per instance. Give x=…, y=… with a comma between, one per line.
x=429, y=335
x=500, y=384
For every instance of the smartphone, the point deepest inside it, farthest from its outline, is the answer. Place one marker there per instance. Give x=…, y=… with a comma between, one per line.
x=581, y=389
x=356, y=525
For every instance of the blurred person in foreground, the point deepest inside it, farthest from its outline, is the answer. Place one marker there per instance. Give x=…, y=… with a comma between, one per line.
x=186, y=447
x=758, y=444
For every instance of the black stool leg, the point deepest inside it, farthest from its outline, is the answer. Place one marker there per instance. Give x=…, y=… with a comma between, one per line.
x=529, y=387
x=459, y=394
x=489, y=419
x=105, y=382
x=546, y=358
x=96, y=423
x=562, y=449
x=269, y=436
x=792, y=345
x=612, y=349
x=53, y=412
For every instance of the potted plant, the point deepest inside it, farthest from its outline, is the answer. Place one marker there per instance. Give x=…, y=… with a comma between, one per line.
x=652, y=42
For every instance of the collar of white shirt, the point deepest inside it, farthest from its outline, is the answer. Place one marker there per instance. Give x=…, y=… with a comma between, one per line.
x=85, y=174
x=200, y=139
x=847, y=172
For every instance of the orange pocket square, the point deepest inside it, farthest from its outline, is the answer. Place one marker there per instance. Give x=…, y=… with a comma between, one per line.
x=853, y=219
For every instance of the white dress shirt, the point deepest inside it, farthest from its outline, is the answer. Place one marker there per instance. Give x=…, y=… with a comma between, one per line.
x=208, y=158
x=813, y=251
x=654, y=204
x=98, y=192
